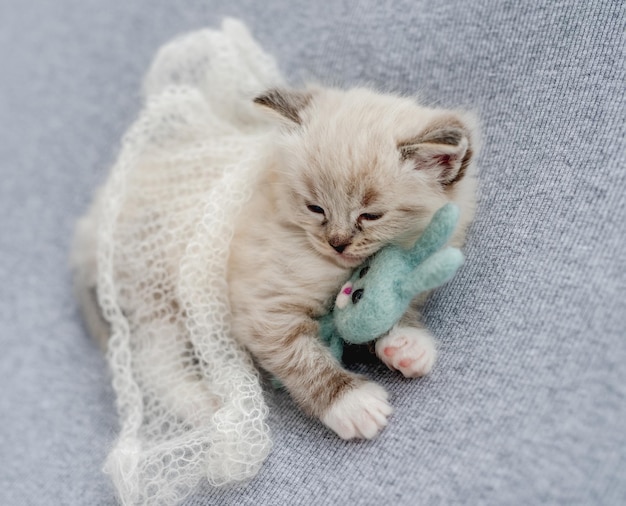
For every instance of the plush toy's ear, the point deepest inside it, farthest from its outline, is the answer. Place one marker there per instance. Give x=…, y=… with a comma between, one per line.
x=433, y=272
x=288, y=104
x=436, y=235
x=443, y=148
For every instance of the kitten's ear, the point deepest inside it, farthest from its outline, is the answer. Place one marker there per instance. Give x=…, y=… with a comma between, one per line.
x=287, y=103
x=444, y=148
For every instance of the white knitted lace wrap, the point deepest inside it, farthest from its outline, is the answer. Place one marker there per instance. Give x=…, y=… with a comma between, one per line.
x=189, y=397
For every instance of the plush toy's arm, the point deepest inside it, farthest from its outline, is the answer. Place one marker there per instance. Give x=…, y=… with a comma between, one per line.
x=432, y=272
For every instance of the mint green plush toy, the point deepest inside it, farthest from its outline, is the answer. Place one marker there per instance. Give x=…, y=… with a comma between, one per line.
x=380, y=291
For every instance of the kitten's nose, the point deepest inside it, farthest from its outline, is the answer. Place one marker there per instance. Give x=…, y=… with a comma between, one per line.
x=339, y=245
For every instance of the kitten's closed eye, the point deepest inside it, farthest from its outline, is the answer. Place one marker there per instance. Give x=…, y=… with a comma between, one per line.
x=315, y=209
x=370, y=216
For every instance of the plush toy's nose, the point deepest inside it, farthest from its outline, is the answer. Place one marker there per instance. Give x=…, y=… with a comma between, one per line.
x=344, y=296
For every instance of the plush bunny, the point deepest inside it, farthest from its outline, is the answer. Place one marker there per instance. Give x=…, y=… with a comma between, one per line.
x=380, y=291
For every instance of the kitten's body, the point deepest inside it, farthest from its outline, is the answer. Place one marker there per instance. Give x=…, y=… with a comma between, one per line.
x=340, y=152
x=349, y=172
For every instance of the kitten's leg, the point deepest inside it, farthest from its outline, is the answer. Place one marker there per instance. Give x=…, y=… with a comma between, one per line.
x=409, y=347
x=168, y=372
x=410, y=350
x=346, y=403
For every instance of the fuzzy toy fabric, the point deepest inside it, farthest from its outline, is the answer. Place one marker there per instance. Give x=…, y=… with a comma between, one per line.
x=380, y=290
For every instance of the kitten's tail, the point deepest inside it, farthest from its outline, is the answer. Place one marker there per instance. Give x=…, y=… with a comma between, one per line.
x=84, y=266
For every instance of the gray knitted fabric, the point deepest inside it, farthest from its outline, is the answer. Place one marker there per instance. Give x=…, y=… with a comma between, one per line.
x=528, y=401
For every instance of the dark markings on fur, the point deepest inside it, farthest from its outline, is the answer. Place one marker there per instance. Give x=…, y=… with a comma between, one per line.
x=340, y=239
x=287, y=103
x=97, y=325
x=447, y=136
x=440, y=125
x=413, y=210
x=369, y=197
x=407, y=151
x=446, y=131
x=295, y=309
x=314, y=383
x=316, y=386
x=461, y=173
x=330, y=388
x=305, y=328
x=311, y=188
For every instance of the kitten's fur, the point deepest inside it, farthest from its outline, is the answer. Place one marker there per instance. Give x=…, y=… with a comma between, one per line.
x=351, y=171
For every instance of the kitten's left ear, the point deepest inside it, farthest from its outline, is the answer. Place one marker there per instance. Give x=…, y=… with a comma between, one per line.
x=289, y=104
x=444, y=148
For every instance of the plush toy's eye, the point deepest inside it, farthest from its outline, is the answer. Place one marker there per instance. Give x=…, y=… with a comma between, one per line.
x=356, y=295
x=363, y=271
x=315, y=209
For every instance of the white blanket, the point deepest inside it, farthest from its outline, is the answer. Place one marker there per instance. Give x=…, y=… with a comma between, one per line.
x=189, y=397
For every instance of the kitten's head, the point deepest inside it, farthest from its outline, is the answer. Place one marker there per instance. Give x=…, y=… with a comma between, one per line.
x=356, y=170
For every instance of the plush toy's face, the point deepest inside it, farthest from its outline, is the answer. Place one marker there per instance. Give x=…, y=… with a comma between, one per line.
x=372, y=302
x=380, y=291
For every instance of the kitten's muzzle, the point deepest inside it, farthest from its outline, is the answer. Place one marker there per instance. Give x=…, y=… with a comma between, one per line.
x=339, y=244
x=340, y=247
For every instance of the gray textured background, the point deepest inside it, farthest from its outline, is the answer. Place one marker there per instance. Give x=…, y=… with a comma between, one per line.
x=528, y=402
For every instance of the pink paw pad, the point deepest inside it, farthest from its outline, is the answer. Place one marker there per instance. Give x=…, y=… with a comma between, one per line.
x=390, y=351
x=405, y=362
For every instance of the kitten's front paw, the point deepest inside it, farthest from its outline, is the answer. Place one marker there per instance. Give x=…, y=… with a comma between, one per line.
x=409, y=350
x=359, y=413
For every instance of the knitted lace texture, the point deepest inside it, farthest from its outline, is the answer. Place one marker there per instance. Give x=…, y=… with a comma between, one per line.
x=189, y=398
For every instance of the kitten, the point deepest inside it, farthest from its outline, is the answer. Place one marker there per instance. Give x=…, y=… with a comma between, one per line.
x=350, y=171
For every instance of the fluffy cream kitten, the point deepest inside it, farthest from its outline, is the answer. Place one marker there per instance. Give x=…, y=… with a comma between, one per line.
x=350, y=172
